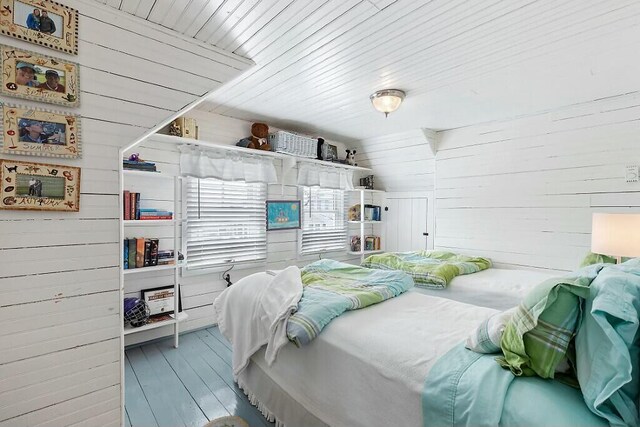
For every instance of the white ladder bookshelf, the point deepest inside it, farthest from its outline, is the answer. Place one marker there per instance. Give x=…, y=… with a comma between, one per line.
x=376, y=226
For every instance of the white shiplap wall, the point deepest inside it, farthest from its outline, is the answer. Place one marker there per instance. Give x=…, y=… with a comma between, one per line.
x=59, y=283
x=523, y=191
x=199, y=291
x=401, y=161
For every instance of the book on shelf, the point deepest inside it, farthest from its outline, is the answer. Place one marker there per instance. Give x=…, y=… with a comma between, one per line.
x=138, y=165
x=153, y=252
x=147, y=252
x=139, y=252
x=125, y=261
x=132, y=253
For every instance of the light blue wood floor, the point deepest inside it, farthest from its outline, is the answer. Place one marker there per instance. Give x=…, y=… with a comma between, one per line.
x=187, y=386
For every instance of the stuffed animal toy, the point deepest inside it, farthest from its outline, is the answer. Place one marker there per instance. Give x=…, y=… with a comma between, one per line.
x=351, y=158
x=258, y=139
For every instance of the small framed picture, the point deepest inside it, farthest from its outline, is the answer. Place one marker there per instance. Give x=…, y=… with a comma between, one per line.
x=329, y=152
x=39, y=132
x=39, y=187
x=43, y=22
x=30, y=75
x=160, y=300
x=283, y=214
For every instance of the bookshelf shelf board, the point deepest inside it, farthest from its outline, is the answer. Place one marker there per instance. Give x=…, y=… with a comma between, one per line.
x=365, y=222
x=160, y=175
x=365, y=252
x=149, y=222
x=182, y=316
x=149, y=269
x=366, y=190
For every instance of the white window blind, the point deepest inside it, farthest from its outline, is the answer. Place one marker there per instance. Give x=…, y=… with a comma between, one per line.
x=225, y=221
x=324, y=226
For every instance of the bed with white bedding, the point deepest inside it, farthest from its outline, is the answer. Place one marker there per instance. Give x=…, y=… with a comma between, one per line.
x=402, y=362
x=497, y=288
x=342, y=379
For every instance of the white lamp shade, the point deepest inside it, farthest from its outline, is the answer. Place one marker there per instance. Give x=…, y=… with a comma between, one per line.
x=616, y=234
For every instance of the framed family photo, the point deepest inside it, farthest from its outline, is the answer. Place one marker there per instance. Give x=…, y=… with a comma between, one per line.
x=41, y=187
x=39, y=132
x=30, y=75
x=283, y=214
x=43, y=22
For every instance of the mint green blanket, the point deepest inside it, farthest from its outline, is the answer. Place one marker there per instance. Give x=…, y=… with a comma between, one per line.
x=332, y=287
x=429, y=269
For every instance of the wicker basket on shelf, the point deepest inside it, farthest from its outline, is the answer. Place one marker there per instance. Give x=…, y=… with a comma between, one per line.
x=294, y=144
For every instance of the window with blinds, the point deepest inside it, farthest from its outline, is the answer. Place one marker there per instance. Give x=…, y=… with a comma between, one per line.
x=225, y=221
x=324, y=225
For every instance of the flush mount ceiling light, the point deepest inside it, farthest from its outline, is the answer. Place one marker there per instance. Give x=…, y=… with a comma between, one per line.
x=387, y=101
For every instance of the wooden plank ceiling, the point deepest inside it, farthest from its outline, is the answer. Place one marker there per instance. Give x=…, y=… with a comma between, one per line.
x=460, y=61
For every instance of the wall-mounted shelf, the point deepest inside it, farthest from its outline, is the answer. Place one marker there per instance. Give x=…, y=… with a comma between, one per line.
x=234, y=148
x=149, y=222
x=364, y=253
x=182, y=316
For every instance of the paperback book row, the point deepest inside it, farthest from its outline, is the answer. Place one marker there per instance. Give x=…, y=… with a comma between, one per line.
x=138, y=165
x=132, y=210
x=140, y=252
x=371, y=213
x=371, y=243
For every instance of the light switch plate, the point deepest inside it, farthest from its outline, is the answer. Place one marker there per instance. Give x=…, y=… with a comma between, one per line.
x=632, y=173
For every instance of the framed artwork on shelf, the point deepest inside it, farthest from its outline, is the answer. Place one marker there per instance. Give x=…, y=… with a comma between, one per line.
x=42, y=22
x=38, y=77
x=329, y=152
x=39, y=132
x=160, y=300
x=283, y=214
x=38, y=186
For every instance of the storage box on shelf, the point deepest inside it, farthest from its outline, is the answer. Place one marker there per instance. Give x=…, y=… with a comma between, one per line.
x=368, y=237
x=150, y=231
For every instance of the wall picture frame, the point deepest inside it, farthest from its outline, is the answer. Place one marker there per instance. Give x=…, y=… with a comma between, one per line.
x=160, y=300
x=283, y=215
x=38, y=77
x=44, y=22
x=39, y=132
x=39, y=186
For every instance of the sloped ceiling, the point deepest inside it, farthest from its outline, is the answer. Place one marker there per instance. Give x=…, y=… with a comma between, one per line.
x=460, y=62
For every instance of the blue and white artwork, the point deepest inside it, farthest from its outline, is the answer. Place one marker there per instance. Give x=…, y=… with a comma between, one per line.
x=283, y=214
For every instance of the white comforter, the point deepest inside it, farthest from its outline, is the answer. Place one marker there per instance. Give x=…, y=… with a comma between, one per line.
x=497, y=288
x=254, y=312
x=368, y=366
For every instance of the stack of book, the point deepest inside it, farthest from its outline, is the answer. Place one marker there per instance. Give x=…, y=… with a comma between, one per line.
x=166, y=257
x=372, y=213
x=132, y=210
x=154, y=214
x=140, y=252
x=372, y=243
x=138, y=165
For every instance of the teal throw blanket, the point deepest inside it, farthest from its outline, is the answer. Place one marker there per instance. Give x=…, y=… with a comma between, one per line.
x=332, y=287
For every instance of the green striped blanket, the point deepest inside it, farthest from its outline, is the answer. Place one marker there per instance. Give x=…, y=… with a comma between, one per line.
x=429, y=269
x=332, y=287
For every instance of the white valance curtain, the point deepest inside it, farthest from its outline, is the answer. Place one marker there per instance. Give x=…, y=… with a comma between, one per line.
x=314, y=175
x=200, y=162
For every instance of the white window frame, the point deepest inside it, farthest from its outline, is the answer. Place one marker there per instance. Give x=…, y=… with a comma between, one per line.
x=341, y=230
x=257, y=220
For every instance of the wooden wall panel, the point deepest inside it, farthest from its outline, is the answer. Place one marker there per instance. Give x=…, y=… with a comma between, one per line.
x=523, y=191
x=60, y=302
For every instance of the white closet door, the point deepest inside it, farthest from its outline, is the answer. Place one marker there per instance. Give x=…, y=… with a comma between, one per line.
x=407, y=221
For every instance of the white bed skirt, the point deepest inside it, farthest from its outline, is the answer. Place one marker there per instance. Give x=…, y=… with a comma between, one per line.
x=272, y=401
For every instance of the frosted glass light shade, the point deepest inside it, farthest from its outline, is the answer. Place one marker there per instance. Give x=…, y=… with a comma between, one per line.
x=387, y=101
x=616, y=234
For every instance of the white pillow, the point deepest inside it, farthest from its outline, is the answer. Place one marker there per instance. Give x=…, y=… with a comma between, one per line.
x=486, y=337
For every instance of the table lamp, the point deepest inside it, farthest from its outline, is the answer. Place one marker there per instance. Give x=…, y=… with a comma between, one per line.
x=616, y=235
